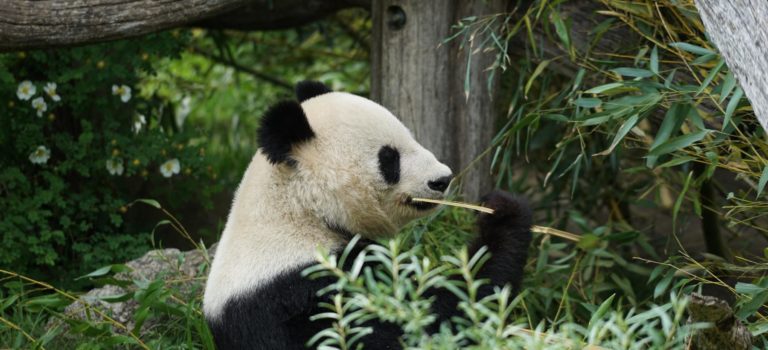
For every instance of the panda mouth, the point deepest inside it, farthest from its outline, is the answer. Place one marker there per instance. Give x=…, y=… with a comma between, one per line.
x=419, y=205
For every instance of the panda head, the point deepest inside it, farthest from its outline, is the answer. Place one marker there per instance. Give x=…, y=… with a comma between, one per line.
x=349, y=162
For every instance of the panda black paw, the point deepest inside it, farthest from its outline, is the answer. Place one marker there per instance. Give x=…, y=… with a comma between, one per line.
x=512, y=215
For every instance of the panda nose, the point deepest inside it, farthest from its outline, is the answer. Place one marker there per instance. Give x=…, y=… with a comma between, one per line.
x=440, y=184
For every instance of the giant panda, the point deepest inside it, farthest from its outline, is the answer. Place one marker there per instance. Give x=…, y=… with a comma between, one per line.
x=330, y=166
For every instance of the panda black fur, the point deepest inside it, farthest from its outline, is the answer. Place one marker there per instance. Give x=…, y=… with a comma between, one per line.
x=330, y=166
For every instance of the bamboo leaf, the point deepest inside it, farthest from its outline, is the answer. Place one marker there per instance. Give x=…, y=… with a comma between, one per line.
x=576, y=171
x=729, y=82
x=712, y=74
x=679, y=201
x=701, y=60
x=761, y=183
x=670, y=78
x=561, y=29
x=732, y=104
x=536, y=73
x=677, y=161
x=603, y=88
x=678, y=143
x=672, y=121
x=655, y=60
x=98, y=273
x=692, y=48
x=633, y=72
x=623, y=130
x=588, y=102
x=601, y=311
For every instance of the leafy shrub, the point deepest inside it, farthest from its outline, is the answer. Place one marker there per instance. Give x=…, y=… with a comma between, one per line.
x=393, y=291
x=80, y=142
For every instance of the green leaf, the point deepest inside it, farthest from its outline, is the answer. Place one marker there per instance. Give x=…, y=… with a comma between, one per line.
x=116, y=298
x=692, y=48
x=576, y=166
x=47, y=301
x=758, y=296
x=623, y=130
x=633, y=72
x=119, y=340
x=673, y=119
x=729, y=82
x=98, y=273
x=603, y=88
x=8, y=302
x=588, y=102
x=536, y=73
x=561, y=29
x=761, y=183
x=679, y=201
x=601, y=311
x=578, y=79
x=712, y=74
x=677, y=161
x=678, y=143
x=662, y=285
x=655, y=60
x=704, y=59
x=732, y=104
x=670, y=78
x=588, y=242
x=758, y=329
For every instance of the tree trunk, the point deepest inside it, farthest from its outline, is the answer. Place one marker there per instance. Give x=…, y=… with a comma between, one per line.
x=44, y=24
x=739, y=28
x=422, y=82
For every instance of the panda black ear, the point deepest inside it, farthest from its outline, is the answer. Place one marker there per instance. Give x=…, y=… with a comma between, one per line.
x=283, y=126
x=308, y=89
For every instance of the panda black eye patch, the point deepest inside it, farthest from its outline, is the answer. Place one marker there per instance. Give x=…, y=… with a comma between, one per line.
x=389, y=164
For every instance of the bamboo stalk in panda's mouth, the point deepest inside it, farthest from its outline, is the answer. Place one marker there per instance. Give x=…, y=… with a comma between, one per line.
x=538, y=229
x=455, y=204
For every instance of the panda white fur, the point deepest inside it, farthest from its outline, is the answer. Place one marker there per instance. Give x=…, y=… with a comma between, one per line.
x=330, y=166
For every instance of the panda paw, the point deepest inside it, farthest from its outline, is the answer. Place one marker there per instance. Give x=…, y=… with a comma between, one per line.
x=511, y=215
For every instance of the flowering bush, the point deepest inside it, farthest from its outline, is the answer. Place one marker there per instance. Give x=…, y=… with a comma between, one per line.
x=79, y=144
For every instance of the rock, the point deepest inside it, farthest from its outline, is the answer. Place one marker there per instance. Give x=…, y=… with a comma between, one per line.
x=727, y=332
x=185, y=269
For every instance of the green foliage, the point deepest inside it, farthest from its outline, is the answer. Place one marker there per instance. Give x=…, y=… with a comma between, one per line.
x=173, y=310
x=75, y=156
x=394, y=292
x=166, y=308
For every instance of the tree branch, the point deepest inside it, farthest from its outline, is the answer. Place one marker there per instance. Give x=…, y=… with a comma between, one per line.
x=256, y=74
x=44, y=24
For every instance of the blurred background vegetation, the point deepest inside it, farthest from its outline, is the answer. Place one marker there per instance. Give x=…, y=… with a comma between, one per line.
x=624, y=127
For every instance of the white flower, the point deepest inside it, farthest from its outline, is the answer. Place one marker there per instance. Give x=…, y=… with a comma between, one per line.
x=115, y=166
x=139, y=122
x=170, y=167
x=183, y=110
x=50, y=89
x=26, y=90
x=40, y=106
x=123, y=91
x=40, y=155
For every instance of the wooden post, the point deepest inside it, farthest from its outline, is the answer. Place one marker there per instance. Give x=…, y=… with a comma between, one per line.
x=422, y=82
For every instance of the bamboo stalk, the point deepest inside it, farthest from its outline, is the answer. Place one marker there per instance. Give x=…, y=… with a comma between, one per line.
x=535, y=228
